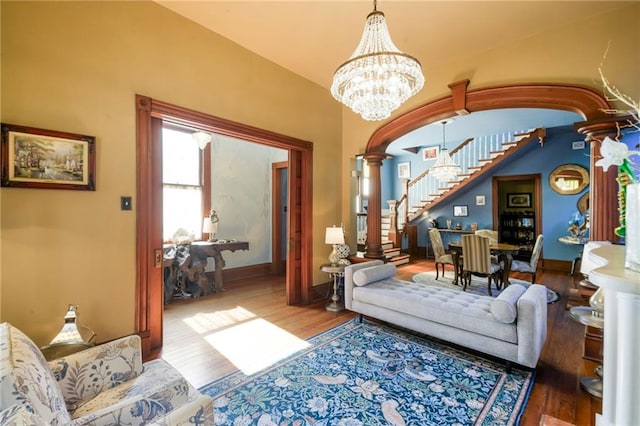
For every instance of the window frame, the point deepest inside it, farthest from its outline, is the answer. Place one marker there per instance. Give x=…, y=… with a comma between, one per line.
x=205, y=173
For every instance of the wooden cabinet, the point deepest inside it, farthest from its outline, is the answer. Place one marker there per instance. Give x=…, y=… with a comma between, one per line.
x=518, y=227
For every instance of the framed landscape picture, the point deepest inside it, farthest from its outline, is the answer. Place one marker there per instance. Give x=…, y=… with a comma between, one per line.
x=519, y=199
x=49, y=159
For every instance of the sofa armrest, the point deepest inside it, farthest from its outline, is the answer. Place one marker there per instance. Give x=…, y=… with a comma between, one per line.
x=532, y=324
x=17, y=415
x=348, y=279
x=199, y=411
x=83, y=375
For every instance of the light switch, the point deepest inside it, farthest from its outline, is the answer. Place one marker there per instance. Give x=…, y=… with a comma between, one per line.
x=125, y=203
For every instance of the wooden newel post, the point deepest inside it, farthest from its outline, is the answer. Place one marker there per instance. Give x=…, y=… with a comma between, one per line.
x=393, y=222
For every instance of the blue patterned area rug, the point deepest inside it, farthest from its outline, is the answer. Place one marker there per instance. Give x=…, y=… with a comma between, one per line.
x=477, y=286
x=371, y=374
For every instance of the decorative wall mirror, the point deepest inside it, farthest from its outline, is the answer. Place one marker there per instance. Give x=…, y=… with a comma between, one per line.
x=583, y=203
x=569, y=179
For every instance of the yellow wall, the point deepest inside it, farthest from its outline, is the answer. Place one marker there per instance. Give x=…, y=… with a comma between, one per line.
x=572, y=55
x=76, y=67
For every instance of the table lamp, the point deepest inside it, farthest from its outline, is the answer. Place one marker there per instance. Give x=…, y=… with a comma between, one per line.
x=70, y=331
x=334, y=236
x=210, y=228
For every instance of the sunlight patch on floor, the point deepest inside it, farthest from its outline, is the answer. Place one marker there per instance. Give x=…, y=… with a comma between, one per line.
x=203, y=323
x=255, y=345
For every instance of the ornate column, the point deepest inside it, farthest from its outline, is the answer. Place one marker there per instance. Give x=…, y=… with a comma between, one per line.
x=603, y=192
x=374, y=209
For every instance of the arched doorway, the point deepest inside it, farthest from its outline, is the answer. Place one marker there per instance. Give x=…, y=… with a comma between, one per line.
x=585, y=101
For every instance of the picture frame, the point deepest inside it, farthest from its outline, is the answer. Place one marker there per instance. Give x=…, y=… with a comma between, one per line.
x=404, y=170
x=480, y=200
x=430, y=153
x=459, y=211
x=518, y=199
x=47, y=159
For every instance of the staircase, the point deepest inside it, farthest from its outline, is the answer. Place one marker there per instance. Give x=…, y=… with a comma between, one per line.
x=475, y=156
x=392, y=251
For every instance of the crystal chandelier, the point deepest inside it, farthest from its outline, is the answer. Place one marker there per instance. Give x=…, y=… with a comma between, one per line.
x=445, y=168
x=378, y=77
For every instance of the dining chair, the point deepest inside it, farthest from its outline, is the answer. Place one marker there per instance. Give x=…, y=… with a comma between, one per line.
x=441, y=257
x=489, y=233
x=493, y=239
x=476, y=260
x=531, y=266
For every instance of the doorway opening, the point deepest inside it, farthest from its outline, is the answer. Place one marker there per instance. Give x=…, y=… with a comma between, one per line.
x=151, y=116
x=517, y=209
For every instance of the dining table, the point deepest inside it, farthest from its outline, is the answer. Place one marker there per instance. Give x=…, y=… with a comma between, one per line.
x=503, y=251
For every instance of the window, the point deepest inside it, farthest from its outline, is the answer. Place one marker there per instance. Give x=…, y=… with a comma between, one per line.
x=182, y=183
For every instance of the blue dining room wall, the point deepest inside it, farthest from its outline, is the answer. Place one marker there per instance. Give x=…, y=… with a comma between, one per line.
x=556, y=208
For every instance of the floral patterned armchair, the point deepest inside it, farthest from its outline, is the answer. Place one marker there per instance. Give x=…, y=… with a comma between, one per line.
x=104, y=385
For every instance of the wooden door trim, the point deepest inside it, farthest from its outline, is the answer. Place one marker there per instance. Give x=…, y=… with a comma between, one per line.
x=148, y=324
x=589, y=102
x=276, y=218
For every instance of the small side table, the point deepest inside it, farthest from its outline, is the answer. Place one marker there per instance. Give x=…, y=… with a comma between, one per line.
x=573, y=241
x=335, y=272
x=583, y=314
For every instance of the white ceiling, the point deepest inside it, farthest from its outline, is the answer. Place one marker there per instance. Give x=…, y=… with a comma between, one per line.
x=313, y=37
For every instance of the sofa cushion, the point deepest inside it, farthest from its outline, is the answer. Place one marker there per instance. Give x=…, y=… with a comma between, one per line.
x=504, y=308
x=25, y=378
x=455, y=308
x=159, y=389
x=372, y=274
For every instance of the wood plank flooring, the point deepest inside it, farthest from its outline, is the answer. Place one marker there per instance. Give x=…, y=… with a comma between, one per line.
x=258, y=303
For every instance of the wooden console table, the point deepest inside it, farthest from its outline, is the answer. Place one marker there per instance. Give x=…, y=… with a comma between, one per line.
x=190, y=261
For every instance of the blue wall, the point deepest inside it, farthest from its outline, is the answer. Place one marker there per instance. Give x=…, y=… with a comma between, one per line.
x=556, y=208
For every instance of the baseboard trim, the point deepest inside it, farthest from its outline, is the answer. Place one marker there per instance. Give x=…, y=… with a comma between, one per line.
x=556, y=265
x=244, y=272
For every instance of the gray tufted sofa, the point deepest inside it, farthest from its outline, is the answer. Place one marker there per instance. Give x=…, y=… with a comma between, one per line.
x=512, y=326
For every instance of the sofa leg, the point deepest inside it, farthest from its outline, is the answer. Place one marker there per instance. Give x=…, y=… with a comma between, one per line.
x=360, y=316
x=508, y=367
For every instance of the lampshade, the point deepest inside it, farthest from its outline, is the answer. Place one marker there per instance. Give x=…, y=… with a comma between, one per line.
x=445, y=169
x=70, y=333
x=334, y=235
x=377, y=78
x=202, y=138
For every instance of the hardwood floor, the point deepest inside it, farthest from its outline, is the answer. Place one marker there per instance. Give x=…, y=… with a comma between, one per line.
x=198, y=331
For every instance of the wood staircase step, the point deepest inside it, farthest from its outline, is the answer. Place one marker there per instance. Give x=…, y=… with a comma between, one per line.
x=400, y=260
x=391, y=252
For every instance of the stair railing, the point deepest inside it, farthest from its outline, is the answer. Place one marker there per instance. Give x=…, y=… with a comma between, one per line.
x=470, y=155
x=426, y=188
